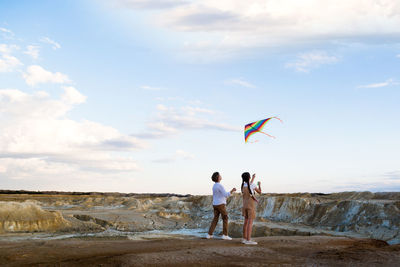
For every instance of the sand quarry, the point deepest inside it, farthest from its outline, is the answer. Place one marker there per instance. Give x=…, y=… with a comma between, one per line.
x=112, y=229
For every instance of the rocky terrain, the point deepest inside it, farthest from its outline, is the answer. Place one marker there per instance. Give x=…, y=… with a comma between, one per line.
x=351, y=214
x=270, y=251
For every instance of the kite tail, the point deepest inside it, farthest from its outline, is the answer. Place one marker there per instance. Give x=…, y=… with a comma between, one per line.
x=267, y=134
x=278, y=119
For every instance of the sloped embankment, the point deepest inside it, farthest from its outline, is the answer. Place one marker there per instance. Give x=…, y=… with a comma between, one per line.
x=374, y=215
x=29, y=217
x=375, y=218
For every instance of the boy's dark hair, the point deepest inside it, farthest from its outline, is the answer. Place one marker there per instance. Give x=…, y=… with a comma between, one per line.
x=215, y=176
x=246, y=179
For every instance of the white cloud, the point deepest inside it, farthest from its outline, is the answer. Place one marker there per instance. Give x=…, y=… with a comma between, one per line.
x=193, y=102
x=151, y=88
x=386, y=182
x=7, y=49
x=172, y=120
x=311, y=60
x=170, y=98
x=9, y=63
x=240, y=82
x=158, y=129
x=389, y=82
x=38, y=139
x=184, y=155
x=33, y=51
x=7, y=33
x=72, y=96
x=393, y=176
x=5, y=30
x=150, y=4
x=53, y=43
x=35, y=74
x=178, y=155
x=228, y=26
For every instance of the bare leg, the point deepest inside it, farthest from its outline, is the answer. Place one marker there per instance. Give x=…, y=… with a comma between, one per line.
x=246, y=221
x=249, y=228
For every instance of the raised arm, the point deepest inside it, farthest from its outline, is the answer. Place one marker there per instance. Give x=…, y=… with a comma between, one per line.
x=252, y=178
x=258, y=189
x=225, y=193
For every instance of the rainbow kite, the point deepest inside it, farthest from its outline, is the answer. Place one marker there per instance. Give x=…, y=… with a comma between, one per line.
x=256, y=127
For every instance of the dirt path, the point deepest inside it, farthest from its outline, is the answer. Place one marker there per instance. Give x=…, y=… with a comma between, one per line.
x=277, y=250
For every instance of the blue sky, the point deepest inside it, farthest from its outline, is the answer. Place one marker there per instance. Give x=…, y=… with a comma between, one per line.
x=152, y=96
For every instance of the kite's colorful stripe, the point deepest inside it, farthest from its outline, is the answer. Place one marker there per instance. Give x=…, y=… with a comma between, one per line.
x=256, y=127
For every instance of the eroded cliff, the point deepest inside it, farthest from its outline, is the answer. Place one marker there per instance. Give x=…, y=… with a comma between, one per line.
x=374, y=215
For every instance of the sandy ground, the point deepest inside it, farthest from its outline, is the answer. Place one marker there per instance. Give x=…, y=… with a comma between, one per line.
x=271, y=251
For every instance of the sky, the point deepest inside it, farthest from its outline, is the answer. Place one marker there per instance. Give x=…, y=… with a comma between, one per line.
x=152, y=96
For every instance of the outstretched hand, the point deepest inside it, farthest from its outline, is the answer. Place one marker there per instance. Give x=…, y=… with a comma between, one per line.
x=233, y=190
x=252, y=178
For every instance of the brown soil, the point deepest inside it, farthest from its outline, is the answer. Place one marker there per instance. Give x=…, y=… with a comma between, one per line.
x=275, y=251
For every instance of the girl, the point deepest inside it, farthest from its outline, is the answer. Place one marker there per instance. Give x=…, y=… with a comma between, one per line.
x=249, y=206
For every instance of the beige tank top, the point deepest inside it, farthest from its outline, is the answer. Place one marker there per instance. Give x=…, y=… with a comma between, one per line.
x=248, y=201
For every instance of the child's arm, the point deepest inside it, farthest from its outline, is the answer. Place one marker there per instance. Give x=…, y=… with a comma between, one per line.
x=258, y=190
x=253, y=188
x=225, y=193
x=252, y=178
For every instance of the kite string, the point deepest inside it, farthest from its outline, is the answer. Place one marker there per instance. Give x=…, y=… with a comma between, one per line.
x=267, y=134
x=262, y=132
x=278, y=119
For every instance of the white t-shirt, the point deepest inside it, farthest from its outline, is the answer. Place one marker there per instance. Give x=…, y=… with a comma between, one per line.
x=219, y=194
x=252, y=187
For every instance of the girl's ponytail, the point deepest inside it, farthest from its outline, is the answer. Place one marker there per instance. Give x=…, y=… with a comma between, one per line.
x=246, y=179
x=248, y=186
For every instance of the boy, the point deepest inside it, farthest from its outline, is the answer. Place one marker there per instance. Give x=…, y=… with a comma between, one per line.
x=219, y=204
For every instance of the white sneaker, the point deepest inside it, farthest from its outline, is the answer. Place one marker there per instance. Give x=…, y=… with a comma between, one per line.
x=249, y=242
x=209, y=236
x=244, y=241
x=225, y=237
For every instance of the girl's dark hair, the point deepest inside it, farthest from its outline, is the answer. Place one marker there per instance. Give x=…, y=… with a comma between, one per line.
x=246, y=179
x=215, y=176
